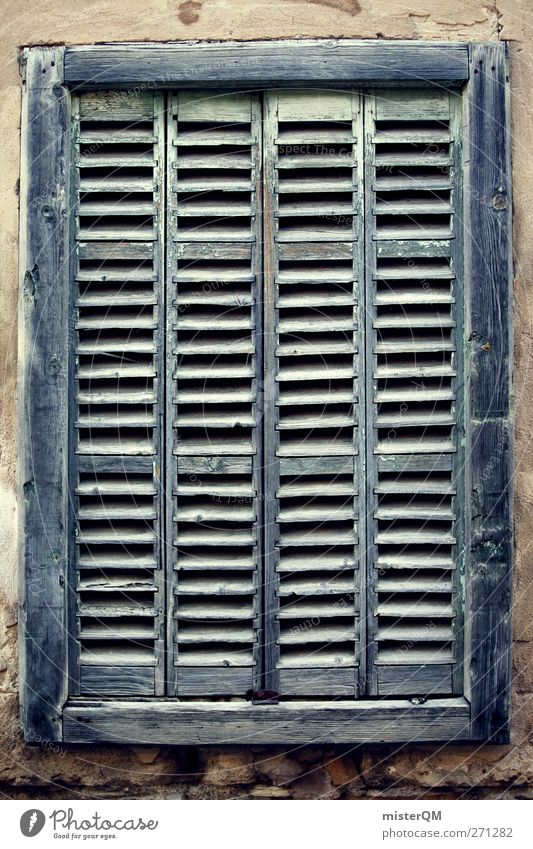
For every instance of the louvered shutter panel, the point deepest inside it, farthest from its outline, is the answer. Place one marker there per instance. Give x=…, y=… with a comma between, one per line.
x=214, y=414
x=118, y=159
x=313, y=275
x=414, y=404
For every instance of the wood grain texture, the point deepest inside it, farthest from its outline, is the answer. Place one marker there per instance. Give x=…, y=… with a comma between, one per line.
x=43, y=401
x=489, y=345
x=303, y=61
x=117, y=681
x=197, y=723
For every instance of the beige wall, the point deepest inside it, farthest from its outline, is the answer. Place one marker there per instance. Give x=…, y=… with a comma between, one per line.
x=409, y=771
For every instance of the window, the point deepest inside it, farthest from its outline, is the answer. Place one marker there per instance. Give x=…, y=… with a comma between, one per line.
x=266, y=394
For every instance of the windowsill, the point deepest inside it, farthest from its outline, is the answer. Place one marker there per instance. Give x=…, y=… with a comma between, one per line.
x=172, y=723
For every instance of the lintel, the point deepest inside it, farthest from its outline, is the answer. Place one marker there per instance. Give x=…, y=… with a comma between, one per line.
x=306, y=61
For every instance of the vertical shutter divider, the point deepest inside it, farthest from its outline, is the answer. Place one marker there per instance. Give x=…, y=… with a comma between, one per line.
x=159, y=460
x=74, y=653
x=459, y=464
x=171, y=384
x=271, y=434
x=258, y=406
x=370, y=362
x=361, y=472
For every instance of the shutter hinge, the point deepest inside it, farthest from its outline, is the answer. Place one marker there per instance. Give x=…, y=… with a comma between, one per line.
x=263, y=697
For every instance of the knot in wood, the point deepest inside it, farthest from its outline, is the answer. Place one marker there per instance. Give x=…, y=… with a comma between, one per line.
x=499, y=201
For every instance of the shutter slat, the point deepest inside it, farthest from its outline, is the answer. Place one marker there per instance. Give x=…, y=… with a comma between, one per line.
x=117, y=419
x=229, y=488
x=197, y=635
x=318, y=658
x=415, y=561
x=135, y=396
x=318, y=607
x=418, y=608
x=305, y=587
x=192, y=233
x=316, y=635
x=214, y=323
x=208, y=511
x=214, y=345
x=412, y=583
x=220, y=160
x=204, y=661
x=203, y=610
x=113, y=656
x=320, y=537
x=414, y=292
x=209, y=137
x=117, y=282
x=337, y=158
x=207, y=561
x=411, y=134
x=202, y=538
x=110, y=583
x=408, y=182
x=214, y=586
x=316, y=512
x=426, y=657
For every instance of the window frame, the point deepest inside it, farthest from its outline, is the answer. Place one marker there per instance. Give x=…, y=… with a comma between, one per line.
x=50, y=75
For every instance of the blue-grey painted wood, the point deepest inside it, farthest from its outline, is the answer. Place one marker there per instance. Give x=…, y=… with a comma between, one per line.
x=303, y=722
x=116, y=681
x=43, y=388
x=305, y=61
x=489, y=347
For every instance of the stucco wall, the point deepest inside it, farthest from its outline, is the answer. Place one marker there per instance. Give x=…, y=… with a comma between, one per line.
x=409, y=771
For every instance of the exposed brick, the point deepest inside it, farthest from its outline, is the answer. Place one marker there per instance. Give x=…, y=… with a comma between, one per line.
x=226, y=768
x=279, y=768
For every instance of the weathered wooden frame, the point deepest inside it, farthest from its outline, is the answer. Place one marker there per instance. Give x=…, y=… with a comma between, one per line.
x=49, y=75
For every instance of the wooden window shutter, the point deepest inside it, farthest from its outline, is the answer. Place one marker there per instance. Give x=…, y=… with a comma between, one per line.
x=313, y=352
x=214, y=411
x=414, y=392
x=298, y=446
x=117, y=394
